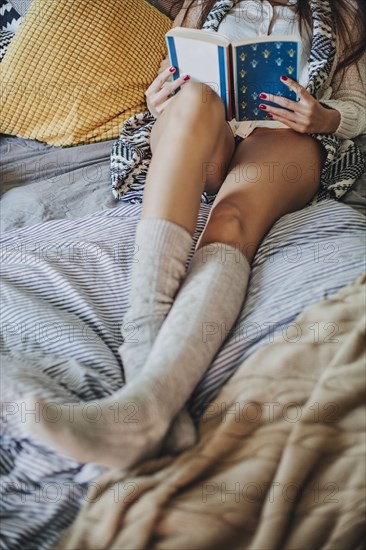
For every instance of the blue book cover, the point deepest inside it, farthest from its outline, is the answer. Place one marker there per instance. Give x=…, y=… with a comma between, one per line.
x=257, y=68
x=239, y=71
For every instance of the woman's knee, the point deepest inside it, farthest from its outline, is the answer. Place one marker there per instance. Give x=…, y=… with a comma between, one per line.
x=197, y=99
x=196, y=107
x=239, y=225
x=225, y=224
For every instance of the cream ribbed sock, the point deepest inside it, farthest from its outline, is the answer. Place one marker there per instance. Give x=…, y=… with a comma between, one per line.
x=158, y=270
x=157, y=273
x=132, y=423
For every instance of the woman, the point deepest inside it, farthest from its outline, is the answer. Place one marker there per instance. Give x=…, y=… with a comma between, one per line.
x=168, y=346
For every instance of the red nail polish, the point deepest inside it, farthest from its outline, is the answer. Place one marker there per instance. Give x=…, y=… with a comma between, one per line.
x=263, y=107
x=187, y=77
x=263, y=96
x=172, y=69
x=283, y=77
x=270, y=115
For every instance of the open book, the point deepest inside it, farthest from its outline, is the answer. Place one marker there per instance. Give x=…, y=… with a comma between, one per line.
x=237, y=71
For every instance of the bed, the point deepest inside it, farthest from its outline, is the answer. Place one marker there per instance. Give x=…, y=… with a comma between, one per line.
x=67, y=246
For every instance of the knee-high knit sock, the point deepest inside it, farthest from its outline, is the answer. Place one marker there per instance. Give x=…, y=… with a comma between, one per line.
x=131, y=424
x=157, y=273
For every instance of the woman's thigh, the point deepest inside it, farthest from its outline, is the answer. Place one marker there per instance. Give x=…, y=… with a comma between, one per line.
x=273, y=172
x=214, y=171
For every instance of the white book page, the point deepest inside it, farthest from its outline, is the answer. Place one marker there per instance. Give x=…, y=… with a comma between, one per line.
x=199, y=60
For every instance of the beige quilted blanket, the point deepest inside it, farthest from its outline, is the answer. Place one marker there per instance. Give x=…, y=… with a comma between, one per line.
x=280, y=463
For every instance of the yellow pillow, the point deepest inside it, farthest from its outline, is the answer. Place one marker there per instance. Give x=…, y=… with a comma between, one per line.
x=77, y=69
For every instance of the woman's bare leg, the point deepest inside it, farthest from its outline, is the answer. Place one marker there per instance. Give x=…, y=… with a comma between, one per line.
x=188, y=139
x=133, y=422
x=189, y=133
x=273, y=172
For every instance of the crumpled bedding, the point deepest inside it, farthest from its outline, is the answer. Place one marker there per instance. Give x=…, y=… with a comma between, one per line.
x=40, y=182
x=65, y=288
x=280, y=463
x=42, y=491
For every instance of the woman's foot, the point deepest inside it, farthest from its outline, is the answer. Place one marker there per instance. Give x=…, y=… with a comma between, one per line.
x=118, y=432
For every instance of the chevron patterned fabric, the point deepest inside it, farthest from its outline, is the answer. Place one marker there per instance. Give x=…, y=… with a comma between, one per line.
x=9, y=17
x=344, y=162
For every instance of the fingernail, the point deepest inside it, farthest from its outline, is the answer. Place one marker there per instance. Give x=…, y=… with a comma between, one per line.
x=283, y=77
x=263, y=96
x=187, y=77
x=270, y=115
x=172, y=69
x=264, y=107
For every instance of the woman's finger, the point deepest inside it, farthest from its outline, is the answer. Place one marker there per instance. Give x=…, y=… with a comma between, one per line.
x=288, y=115
x=294, y=106
x=156, y=85
x=160, y=108
x=165, y=64
x=299, y=90
x=168, y=88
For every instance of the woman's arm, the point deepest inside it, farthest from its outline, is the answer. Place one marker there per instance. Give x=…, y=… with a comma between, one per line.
x=348, y=92
x=349, y=99
x=342, y=109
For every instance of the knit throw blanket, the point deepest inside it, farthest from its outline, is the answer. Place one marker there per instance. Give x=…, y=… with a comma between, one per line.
x=344, y=164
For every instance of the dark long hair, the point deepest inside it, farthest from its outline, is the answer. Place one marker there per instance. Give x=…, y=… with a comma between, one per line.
x=350, y=18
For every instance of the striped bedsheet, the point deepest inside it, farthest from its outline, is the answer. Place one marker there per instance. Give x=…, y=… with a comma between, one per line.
x=65, y=288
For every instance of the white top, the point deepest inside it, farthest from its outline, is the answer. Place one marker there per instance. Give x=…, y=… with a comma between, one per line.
x=253, y=18
x=346, y=95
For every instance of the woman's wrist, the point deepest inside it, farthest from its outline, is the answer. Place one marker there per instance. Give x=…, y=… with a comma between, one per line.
x=332, y=119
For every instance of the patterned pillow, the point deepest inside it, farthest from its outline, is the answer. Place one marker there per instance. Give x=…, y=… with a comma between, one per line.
x=75, y=71
x=10, y=21
x=12, y=14
x=168, y=7
x=21, y=6
x=5, y=39
x=10, y=18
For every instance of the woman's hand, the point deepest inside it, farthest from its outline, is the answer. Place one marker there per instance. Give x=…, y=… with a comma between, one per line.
x=158, y=95
x=306, y=115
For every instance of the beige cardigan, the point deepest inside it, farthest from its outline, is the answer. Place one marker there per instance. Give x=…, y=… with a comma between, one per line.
x=349, y=98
